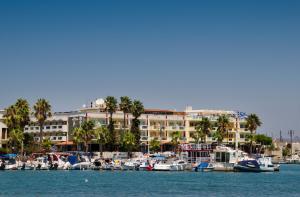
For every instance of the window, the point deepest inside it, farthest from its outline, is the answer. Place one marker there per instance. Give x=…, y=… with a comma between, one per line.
x=59, y=138
x=54, y=127
x=37, y=128
x=60, y=127
x=47, y=127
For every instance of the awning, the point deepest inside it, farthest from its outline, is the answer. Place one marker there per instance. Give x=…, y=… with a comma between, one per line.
x=65, y=143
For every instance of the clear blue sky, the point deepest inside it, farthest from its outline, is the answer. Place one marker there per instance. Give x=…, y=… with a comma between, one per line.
x=240, y=55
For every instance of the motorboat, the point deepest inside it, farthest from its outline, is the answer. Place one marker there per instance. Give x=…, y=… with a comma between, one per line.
x=204, y=167
x=266, y=165
x=145, y=166
x=178, y=165
x=8, y=162
x=161, y=166
x=247, y=166
x=294, y=159
x=131, y=165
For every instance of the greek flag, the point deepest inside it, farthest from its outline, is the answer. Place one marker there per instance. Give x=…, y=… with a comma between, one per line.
x=241, y=115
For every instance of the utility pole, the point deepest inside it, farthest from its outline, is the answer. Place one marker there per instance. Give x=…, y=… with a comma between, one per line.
x=291, y=133
x=280, y=137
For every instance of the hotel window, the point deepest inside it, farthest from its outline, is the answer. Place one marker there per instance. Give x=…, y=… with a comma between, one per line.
x=54, y=127
x=60, y=127
x=47, y=127
x=59, y=138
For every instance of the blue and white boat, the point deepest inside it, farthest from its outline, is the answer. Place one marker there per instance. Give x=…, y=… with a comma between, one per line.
x=204, y=167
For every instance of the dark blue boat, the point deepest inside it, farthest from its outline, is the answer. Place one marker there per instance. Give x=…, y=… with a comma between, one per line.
x=247, y=166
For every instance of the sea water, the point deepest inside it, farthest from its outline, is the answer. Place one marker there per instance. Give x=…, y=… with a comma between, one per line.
x=135, y=183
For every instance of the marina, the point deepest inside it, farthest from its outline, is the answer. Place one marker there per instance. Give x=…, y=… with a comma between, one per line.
x=138, y=183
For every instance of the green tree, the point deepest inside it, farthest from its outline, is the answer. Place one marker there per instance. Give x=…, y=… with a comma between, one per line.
x=111, y=105
x=154, y=145
x=222, y=127
x=252, y=123
x=137, y=109
x=17, y=117
x=85, y=133
x=175, y=140
x=29, y=143
x=204, y=126
x=198, y=135
x=102, y=136
x=125, y=105
x=42, y=111
x=219, y=136
x=128, y=142
x=46, y=144
x=15, y=140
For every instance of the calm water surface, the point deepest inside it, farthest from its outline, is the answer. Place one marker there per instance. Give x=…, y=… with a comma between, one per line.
x=100, y=183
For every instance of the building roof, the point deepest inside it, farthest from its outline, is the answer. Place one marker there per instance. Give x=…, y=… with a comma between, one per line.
x=163, y=111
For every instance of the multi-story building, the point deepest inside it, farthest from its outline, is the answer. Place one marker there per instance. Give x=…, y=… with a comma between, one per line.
x=3, y=131
x=154, y=123
x=58, y=128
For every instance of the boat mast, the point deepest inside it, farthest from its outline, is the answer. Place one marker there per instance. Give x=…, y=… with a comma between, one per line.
x=237, y=130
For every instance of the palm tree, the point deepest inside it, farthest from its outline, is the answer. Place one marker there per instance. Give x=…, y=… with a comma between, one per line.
x=204, y=126
x=46, y=144
x=102, y=136
x=154, y=145
x=16, y=138
x=125, y=106
x=128, y=142
x=252, y=123
x=17, y=117
x=42, y=111
x=23, y=112
x=84, y=133
x=111, y=105
x=198, y=135
x=137, y=109
x=219, y=136
x=175, y=140
x=222, y=127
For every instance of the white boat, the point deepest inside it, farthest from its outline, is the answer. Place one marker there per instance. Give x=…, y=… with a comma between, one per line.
x=145, y=166
x=294, y=159
x=85, y=165
x=178, y=165
x=11, y=164
x=131, y=165
x=266, y=165
x=41, y=163
x=162, y=166
x=224, y=158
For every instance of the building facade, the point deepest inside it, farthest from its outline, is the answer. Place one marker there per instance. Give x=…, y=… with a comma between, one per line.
x=3, y=131
x=154, y=123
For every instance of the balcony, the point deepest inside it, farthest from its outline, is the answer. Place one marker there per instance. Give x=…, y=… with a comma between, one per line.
x=143, y=127
x=175, y=128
